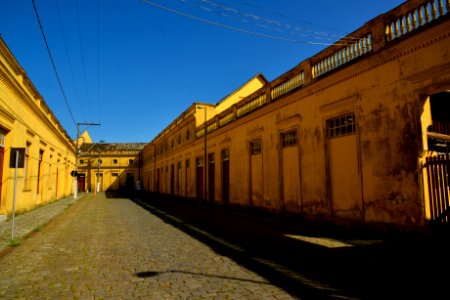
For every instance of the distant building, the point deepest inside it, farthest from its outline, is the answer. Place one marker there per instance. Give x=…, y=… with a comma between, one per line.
x=27, y=124
x=345, y=135
x=118, y=163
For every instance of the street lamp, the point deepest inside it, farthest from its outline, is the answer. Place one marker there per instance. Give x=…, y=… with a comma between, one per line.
x=205, y=157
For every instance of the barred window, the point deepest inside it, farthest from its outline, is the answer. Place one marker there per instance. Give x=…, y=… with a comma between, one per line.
x=340, y=126
x=289, y=138
x=2, y=138
x=255, y=147
x=225, y=154
x=199, y=161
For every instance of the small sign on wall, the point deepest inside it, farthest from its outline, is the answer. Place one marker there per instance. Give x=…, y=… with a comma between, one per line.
x=12, y=160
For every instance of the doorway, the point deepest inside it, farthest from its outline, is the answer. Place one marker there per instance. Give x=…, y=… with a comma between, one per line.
x=343, y=169
x=225, y=176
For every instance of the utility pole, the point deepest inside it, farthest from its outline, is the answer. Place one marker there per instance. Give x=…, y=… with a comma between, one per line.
x=75, y=177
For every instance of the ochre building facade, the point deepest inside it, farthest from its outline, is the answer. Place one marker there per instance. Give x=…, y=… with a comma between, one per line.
x=344, y=135
x=47, y=154
x=117, y=163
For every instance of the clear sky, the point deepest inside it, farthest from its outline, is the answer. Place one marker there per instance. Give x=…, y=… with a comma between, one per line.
x=135, y=65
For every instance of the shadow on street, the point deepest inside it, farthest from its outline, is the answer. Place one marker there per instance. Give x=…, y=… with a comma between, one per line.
x=312, y=260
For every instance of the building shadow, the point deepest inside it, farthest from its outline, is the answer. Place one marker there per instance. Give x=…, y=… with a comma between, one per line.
x=310, y=260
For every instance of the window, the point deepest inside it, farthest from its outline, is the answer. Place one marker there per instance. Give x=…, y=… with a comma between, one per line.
x=172, y=144
x=340, y=126
x=179, y=139
x=179, y=165
x=41, y=154
x=187, y=163
x=81, y=161
x=2, y=138
x=99, y=161
x=188, y=134
x=115, y=161
x=255, y=147
x=114, y=174
x=289, y=138
x=225, y=154
x=130, y=161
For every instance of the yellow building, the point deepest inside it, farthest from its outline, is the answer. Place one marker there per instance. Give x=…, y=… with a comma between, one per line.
x=117, y=163
x=27, y=123
x=342, y=136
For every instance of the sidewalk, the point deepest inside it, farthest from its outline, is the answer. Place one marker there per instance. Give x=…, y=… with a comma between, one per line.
x=25, y=223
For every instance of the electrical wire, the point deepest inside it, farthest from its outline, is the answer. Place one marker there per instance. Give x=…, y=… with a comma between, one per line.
x=53, y=64
x=218, y=10
x=68, y=58
x=98, y=61
x=289, y=27
x=233, y=27
x=83, y=65
x=290, y=18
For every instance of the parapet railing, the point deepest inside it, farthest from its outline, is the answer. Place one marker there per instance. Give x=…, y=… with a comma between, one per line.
x=370, y=38
x=289, y=85
x=416, y=17
x=343, y=56
x=251, y=105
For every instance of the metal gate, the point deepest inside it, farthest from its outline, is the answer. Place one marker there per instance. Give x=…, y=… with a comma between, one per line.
x=438, y=169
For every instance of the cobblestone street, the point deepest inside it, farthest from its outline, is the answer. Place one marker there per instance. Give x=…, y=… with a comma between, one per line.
x=110, y=248
x=113, y=247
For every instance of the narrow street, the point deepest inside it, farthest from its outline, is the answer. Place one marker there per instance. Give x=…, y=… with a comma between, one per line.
x=111, y=247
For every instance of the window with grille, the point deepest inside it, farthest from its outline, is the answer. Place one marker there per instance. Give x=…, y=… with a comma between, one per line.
x=255, y=147
x=289, y=138
x=225, y=154
x=341, y=126
x=2, y=138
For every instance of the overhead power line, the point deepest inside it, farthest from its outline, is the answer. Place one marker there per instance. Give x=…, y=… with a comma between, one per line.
x=233, y=27
x=82, y=59
x=268, y=23
x=53, y=64
x=68, y=58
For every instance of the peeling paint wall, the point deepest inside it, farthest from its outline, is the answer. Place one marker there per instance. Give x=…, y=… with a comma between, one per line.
x=371, y=173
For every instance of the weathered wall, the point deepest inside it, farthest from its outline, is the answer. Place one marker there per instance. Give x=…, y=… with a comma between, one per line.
x=371, y=174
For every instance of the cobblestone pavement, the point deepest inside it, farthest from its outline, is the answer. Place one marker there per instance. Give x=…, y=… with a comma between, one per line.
x=26, y=223
x=111, y=248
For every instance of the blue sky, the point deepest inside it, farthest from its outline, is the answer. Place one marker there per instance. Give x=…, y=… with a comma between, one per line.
x=135, y=65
